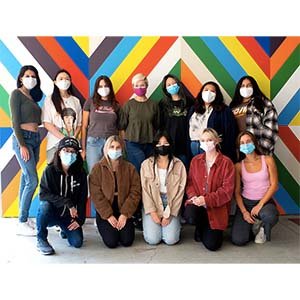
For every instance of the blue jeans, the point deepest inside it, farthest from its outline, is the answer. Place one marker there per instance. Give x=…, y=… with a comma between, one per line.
x=137, y=153
x=94, y=150
x=29, y=176
x=154, y=233
x=195, y=148
x=48, y=215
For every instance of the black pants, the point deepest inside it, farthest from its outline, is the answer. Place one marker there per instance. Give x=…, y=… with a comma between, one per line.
x=112, y=237
x=212, y=239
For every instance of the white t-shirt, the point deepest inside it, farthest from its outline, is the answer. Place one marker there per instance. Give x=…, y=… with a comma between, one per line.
x=162, y=174
x=198, y=123
x=50, y=115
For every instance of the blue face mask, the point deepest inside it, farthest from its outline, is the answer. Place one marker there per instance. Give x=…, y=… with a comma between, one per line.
x=114, y=154
x=67, y=158
x=247, y=148
x=173, y=89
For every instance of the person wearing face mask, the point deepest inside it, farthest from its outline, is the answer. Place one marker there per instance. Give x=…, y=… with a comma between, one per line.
x=61, y=97
x=63, y=195
x=256, y=184
x=26, y=117
x=99, y=121
x=115, y=191
x=163, y=178
x=256, y=113
x=174, y=108
x=210, y=111
x=209, y=190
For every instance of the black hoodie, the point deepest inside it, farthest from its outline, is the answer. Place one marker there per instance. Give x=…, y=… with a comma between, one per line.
x=65, y=191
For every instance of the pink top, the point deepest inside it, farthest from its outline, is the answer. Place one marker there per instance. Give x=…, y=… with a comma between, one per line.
x=255, y=185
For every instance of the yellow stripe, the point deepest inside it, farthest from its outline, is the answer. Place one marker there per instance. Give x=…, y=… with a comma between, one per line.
x=247, y=63
x=296, y=120
x=83, y=42
x=5, y=120
x=132, y=60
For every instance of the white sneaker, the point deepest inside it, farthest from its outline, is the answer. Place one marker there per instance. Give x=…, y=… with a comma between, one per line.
x=261, y=236
x=25, y=229
x=31, y=223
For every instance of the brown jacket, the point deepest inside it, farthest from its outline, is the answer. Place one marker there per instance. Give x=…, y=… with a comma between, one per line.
x=175, y=182
x=102, y=188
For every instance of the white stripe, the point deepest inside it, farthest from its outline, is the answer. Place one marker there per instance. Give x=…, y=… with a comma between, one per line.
x=6, y=153
x=296, y=131
x=198, y=68
x=7, y=80
x=94, y=42
x=287, y=159
x=287, y=91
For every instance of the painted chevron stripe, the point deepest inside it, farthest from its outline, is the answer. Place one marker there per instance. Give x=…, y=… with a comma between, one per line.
x=288, y=113
x=290, y=140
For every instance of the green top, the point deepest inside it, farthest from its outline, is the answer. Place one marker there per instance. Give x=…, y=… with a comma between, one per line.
x=140, y=120
x=23, y=110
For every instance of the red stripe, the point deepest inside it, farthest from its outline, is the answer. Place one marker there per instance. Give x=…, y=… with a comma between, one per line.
x=290, y=140
x=146, y=66
x=62, y=59
x=257, y=52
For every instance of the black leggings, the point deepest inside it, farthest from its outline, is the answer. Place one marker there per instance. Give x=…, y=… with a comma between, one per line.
x=212, y=239
x=112, y=237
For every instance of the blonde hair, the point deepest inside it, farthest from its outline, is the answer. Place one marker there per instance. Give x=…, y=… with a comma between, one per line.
x=139, y=77
x=214, y=135
x=112, y=138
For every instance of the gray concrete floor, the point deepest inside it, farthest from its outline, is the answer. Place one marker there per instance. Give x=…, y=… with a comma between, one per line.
x=284, y=248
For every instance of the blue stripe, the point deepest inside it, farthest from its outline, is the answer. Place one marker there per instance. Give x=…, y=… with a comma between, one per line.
x=290, y=110
x=265, y=43
x=285, y=201
x=5, y=133
x=224, y=57
x=114, y=59
x=9, y=61
x=75, y=52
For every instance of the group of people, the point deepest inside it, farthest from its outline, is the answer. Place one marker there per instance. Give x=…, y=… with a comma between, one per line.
x=150, y=162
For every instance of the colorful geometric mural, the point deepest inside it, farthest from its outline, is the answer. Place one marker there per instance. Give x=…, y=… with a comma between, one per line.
x=273, y=61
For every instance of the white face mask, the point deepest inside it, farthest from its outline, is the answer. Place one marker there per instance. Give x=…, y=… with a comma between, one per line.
x=63, y=84
x=246, y=92
x=207, y=146
x=208, y=96
x=103, y=91
x=29, y=82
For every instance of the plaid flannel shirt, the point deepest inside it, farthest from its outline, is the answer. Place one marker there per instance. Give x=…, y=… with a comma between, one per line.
x=263, y=125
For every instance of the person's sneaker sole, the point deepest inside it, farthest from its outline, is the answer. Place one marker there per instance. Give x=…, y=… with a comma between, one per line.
x=44, y=252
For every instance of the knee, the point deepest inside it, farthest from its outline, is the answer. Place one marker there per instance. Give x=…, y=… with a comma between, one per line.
x=238, y=241
x=171, y=240
x=269, y=218
x=212, y=246
x=44, y=207
x=32, y=182
x=127, y=243
x=76, y=242
x=111, y=243
x=152, y=240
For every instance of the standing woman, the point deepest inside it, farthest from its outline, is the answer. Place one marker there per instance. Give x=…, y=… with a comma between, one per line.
x=52, y=116
x=116, y=191
x=210, y=111
x=100, y=120
x=256, y=184
x=26, y=117
x=256, y=113
x=209, y=190
x=174, y=108
x=163, y=178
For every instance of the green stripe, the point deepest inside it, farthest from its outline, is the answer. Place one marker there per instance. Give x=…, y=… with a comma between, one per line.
x=212, y=63
x=4, y=104
x=285, y=72
x=287, y=181
x=157, y=95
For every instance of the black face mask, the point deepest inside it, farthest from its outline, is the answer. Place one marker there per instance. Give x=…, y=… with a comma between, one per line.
x=163, y=150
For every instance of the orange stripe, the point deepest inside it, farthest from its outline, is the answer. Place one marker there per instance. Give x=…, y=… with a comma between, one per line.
x=147, y=64
x=257, y=52
x=63, y=60
x=10, y=194
x=190, y=80
x=282, y=53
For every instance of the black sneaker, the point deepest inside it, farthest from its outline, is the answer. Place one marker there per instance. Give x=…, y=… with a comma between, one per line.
x=62, y=234
x=44, y=247
x=197, y=235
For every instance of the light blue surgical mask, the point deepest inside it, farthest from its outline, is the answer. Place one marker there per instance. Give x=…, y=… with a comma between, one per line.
x=173, y=89
x=67, y=158
x=247, y=148
x=114, y=154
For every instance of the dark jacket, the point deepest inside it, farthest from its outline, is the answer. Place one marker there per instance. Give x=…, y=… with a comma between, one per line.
x=65, y=191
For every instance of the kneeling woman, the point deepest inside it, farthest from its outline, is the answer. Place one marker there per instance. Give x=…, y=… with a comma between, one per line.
x=116, y=191
x=256, y=208
x=209, y=190
x=163, y=178
x=63, y=195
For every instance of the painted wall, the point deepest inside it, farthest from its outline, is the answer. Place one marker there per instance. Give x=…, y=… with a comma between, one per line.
x=273, y=61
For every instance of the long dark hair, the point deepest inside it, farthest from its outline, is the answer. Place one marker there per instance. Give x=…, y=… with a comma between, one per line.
x=218, y=104
x=257, y=149
x=258, y=95
x=56, y=97
x=183, y=93
x=97, y=101
x=36, y=93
